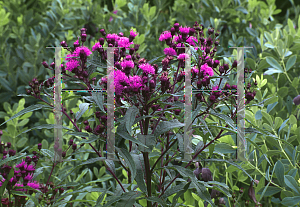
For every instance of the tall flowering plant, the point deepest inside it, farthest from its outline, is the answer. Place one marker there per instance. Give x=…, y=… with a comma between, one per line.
x=149, y=94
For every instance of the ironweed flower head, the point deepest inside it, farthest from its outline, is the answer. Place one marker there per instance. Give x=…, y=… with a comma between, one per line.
x=147, y=68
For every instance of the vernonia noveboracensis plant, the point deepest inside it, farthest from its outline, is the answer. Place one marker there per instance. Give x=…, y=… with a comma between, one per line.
x=148, y=95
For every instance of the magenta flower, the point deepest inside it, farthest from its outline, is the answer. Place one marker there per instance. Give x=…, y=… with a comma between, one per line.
x=124, y=42
x=72, y=62
x=127, y=64
x=182, y=56
x=207, y=70
x=165, y=35
x=21, y=165
x=176, y=38
x=135, y=83
x=86, y=51
x=34, y=185
x=190, y=40
x=96, y=46
x=195, y=70
x=147, y=68
x=120, y=81
x=30, y=168
x=132, y=33
x=112, y=37
x=184, y=30
x=170, y=51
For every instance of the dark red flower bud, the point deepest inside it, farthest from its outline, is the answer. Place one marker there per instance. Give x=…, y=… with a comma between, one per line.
x=176, y=26
x=83, y=37
x=210, y=31
x=70, y=141
x=88, y=128
x=296, y=100
x=28, y=160
x=63, y=154
x=102, y=31
x=86, y=122
x=251, y=192
x=98, y=114
x=11, y=152
x=40, y=146
x=63, y=44
x=83, y=30
x=206, y=174
x=192, y=31
x=52, y=65
x=8, y=144
x=226, y=67
x=45, y=64
x=74, y=146
x=34, y=152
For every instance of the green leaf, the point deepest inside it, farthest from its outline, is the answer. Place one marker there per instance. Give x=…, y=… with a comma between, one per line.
x=172, y=190
x=127, y=136
x=148, y=140
x=272, y=62
x=291, y=27
x=291, y=62
x=128, y=198
x=166, y=126
x=101, y=197
x=5, y=84
x=279, y=172
x=201, y=189
x=82, y=107
x=26, y=110
x=22, y=142
x=182, y=191
x=111, y=165
x=156, y=199
x=98, y=98
x=231, y=163
x=129, y=117
x=290, y=201
x=129, y=160
x=45, y=126
x=140, y=169
x=291, y=183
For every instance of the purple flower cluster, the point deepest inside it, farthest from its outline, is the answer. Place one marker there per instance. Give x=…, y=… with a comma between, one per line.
x=22, y=177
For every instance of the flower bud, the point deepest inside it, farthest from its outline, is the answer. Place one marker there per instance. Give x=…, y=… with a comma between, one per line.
x=83, y=30
x=192, y=31
x=210, y=31
x=74, y=146
x=98, y=114
x=251, y=192
x=226, y=67
x=176, y=26
x=206, y=174
x=45, y=64
x=234, y=64
x=83, y=37
x=40, y=146
x=296, y=100
x=52, y=65
x=63, y=154
x=216, y=63
x=88, y=128
x=11, y=152
x=86, y=122
x=222, y=201
x=70, y=141
x=8, y=144
x=34, y=152
x=102, y=31
x=63, y=44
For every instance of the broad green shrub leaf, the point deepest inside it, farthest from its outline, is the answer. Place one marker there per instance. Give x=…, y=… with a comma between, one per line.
x=279, y=172
x=182, y=191
x=101, y=197
x=129, y=161
x=121, y=131
x=291, y=62
x=291, y=201
x=292, y=184
x=26, y=110
x=272, y=71
x=272, y=62
x=22, y=142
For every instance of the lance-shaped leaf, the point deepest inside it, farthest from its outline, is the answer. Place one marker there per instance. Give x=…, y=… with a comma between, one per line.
x=140, y=171
x=129, y=160
x=98, y=98
x=166, y=126
x=274, y=63
x=83, y=107
x=129, y=117
x=46, y=126
x=26, y=110
x=128, y=198
x=148, y=140
x=291, y=62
